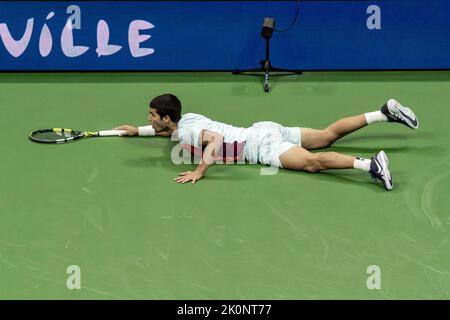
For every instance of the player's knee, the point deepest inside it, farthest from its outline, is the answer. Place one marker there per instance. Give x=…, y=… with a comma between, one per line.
x=329, y=137
x=312, y=165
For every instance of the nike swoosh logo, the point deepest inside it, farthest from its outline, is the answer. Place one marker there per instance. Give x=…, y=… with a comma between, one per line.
x=413, y=121
x=378, y=167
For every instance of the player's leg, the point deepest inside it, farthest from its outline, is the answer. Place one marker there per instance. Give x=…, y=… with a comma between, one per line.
x=391, y=111
x=298, y=158
x=315, y=139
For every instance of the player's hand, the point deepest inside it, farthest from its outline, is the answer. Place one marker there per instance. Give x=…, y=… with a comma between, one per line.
x=189, y=176
x=129, y=130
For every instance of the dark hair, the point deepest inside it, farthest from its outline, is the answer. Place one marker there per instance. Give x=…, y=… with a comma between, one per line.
x=167, y=105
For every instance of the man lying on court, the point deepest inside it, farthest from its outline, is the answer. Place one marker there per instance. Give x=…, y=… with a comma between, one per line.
x=268, y=142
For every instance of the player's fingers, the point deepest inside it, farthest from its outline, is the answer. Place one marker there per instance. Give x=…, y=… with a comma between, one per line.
x=187, y=178
x=183, y=173
x=184, y=179
x=123, y=129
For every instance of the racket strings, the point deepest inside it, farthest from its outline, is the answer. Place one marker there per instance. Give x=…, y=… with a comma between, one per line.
x=55, y=135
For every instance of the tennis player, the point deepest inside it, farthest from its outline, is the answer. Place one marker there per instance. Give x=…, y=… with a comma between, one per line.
x=268, y=142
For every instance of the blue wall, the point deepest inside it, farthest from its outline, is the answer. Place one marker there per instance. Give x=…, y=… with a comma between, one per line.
x=224, y=35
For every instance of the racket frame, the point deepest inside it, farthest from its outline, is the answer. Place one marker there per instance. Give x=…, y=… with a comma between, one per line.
x=77, y=134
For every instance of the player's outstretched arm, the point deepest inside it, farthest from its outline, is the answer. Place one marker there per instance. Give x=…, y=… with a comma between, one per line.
x=129, y=130
x=141, y=131
x=214, y=143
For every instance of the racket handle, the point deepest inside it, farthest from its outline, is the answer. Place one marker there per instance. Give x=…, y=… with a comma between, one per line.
x=108, y=133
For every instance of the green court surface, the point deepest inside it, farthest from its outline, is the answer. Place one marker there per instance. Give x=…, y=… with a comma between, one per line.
x=111, y=207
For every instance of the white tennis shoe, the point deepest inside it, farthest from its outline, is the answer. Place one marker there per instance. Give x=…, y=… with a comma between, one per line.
x=379, y=169
x=395, y=112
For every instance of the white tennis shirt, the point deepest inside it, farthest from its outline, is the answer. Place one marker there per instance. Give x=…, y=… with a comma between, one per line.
x=191, y=125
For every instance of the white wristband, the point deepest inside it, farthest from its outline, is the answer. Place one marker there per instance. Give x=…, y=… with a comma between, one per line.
x=146, y=131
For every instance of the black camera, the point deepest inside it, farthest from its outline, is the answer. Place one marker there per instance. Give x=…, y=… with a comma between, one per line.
x=267, y=29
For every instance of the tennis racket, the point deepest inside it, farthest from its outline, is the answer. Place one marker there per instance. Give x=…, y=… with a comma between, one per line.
x=62, y=135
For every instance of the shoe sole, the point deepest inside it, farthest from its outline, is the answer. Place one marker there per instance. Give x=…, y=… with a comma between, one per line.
x=387, y=179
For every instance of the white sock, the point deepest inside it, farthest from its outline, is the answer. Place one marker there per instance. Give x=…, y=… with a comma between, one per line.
x=362, y=164
x=376, y=116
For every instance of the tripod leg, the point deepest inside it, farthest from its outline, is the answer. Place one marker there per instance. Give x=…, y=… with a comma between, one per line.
x=266, y=76
x=238, y=71
x=266, y=83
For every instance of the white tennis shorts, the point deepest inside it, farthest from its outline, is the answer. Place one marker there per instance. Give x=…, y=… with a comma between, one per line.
x=267, y=140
